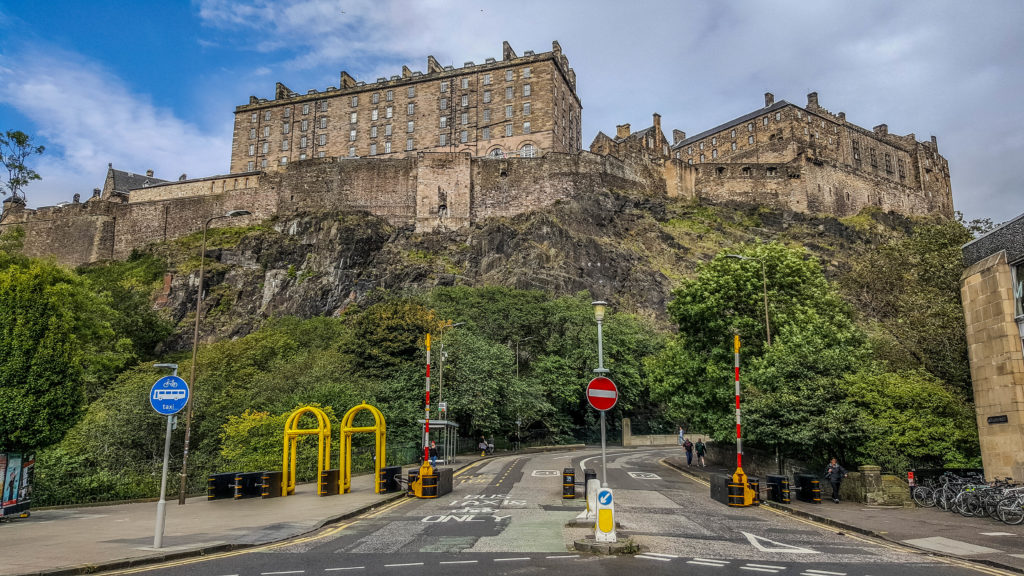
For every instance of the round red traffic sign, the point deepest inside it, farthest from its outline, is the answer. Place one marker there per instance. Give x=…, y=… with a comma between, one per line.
x=602, y=393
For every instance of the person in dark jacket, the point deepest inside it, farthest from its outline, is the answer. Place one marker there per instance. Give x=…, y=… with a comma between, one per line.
x=688, y=446
x=433, y=453
x=835, y=474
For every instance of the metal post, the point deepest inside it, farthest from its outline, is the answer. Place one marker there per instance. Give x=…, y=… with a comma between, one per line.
x=192, y=369
x=601, y=370
x=161, y=506
x=739, y=439
x=426, y=425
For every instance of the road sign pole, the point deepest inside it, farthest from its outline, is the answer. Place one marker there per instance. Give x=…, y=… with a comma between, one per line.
x=601, y=370
x=161, y=506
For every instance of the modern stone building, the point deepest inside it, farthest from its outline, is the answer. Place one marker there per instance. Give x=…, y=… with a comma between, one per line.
x=518, y=106
x=992, y=290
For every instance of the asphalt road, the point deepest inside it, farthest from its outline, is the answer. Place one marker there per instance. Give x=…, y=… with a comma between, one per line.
x=506, y=516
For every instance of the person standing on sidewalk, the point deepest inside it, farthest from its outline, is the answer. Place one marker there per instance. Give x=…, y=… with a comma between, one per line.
x=701, y=448
x=835, y=474
x=688, y=446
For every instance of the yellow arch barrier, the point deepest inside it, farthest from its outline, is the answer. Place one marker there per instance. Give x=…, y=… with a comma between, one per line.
x=291, y=441
x=347, y=430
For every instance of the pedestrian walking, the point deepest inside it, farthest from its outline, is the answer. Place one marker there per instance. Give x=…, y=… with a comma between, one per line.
x=701, y=449
x=688, y=446
x=679, y=439
x=835, y=474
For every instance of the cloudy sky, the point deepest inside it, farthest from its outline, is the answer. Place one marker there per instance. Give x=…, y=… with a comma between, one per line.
x=152, y=85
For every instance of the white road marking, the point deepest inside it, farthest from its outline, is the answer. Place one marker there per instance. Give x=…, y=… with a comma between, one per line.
x=546, y=473
x=996, y=534
x=646, y=557
x=460, y=562
x=509, y=559
x=813, y=571
x=756, y=542
x=662, y=555
x=710, y=560
x=754, y=568
x=345, y=568
x=568, y=556
x=645, y=475
x=767, y=566
x=402, y=565
x=705, y=563
x=287, y=572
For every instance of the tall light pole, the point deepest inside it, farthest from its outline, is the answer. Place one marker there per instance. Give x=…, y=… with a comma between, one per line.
x=764, y=280
x=599, y=308
x=195, y=347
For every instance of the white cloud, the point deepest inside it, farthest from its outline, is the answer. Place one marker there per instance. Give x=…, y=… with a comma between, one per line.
x=90, y=117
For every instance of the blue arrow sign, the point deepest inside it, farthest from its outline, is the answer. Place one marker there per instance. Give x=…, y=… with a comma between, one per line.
x=168, y=395
x=604, y=497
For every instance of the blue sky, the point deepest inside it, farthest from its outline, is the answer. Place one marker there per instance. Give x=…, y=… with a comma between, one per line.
x=152, y=85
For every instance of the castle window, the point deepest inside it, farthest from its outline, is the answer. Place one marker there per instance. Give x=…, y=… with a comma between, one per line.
x=305, y=108
x=526, y=108
x=888, y=163
x=874, y=160
x=807, y=130
x=284, y=145
x=408, y=144
x=714, y=153
x=373, y=131
x=374, y=114
x=255, y=116
x=252, y=149
x=266, y=115
x=465, y=100
x=351, y=151
x=822, y=123
x=410, y=127
x=389, y=95
x=444, y=103
x=411, y=108
x=487, y=115
x=252, y=133
x=323, y=105
x=465, y=83
x=302, y=142
x=302, y=156
x=443, y=140
x=526, y=89
x=746, y=170
x=266, y=147
x=485, y=133
x=376, y=99
x=463, y=136
x=700, y=145
x=465, y=117
x=305, y=125
x=714, y=141
x=732, y=133
x=526, y=72
x=508, y=111
x=689, y=150
x=487, y=78
x=444, y=121
x=444, y=87
x=250, y=166
x=263, y=164
x=508, y=75
x=689, y=161
x=284, y=160
x=508, y=93
x=373, y=149
x=323, y=121
x=323, y=139
x=352, y=135
x=778, y=115
x=387, y=147
x=286, y=128
x=266, y=131
x=526, y=127
x=527, y=151
x=733, y=145
x=352, y=117
x=287, y=114
x=835, y=129
x=411, y=92
x=764, y=120
x=750, y=127
x=701, y=157
x=771, y=171
x=508, y=129
x=487, y=96
x=355, y=101
x=321, y=154
x=389, y=112
x=901, y=169
x=387, y=129
x=721, y=170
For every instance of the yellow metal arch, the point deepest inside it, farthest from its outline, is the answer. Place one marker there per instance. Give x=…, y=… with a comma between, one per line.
x=291, y=441
x=347, y=430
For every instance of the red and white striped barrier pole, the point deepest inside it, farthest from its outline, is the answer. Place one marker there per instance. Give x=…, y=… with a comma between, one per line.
x=426, y=427
x=739, y=437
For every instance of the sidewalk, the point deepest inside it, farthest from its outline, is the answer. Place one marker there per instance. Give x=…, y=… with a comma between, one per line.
x=90, y=539
x=981, y=540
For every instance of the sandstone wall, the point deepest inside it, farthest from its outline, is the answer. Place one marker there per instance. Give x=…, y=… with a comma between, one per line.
x=197, y=187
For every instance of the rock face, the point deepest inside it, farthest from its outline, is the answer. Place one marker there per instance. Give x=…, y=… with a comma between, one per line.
x=626, y=248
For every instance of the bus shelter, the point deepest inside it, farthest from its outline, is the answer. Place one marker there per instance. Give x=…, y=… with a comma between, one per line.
x=446, y=434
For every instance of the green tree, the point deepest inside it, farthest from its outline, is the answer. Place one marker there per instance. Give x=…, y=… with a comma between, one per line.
x=16, y=148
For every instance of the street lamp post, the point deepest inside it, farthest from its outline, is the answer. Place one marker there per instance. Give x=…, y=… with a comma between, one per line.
x=599, y=308
x=764, y=280
x=195, y=347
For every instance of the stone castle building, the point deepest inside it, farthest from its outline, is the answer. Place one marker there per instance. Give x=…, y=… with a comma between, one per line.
x=451, y=146
x=520, y=105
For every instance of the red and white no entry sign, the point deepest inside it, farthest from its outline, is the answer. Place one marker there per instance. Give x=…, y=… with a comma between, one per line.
x=602, y=393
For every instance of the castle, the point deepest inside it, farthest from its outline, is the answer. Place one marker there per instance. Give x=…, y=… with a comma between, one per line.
x=450, y=147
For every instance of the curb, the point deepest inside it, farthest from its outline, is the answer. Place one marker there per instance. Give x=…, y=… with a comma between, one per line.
x=863, y=531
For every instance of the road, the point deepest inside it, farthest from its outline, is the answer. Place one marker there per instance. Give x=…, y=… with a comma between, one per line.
x=506, y=516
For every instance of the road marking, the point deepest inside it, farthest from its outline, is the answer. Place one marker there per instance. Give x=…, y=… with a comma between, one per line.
x=705, y=563
x=460, y=562
x=661, y=555
x=546, y=473
x=403, y=565
x=756, y=569
x=645, y=475
x=345, y=568
x=509, y=559
x=710, y=560
x=755, y=541
x=569, y=556
x=767, y=566
x=286, y=572
x=646, y=557
x=813, y=571
x=997, y=533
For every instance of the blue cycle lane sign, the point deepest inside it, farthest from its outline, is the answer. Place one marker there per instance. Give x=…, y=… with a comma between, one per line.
x=169, y=395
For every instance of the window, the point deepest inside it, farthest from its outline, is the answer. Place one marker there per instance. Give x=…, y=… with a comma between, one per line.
x=778, y=115
x=352, y=117
x=714, y=141
x=750, y=127
x=888, y=163
x=266, y=131
x=689, y=161
x=465, y=117
x=700, y=145
x=266, y=115
x=266, y=147
x=410, y=108
x=286, y=128
x=526, y=127
x=485, y=133
x=444, y=103
x=733, y=145
x=303, y=142
x=701, y=157
x=373, y=131
x=771, y=171
x=410, y=127
x=444, y=87
x=321, y=154
x=408, y=144
x=352, y=135
x=487, y=96
x=374, y=114
x=390, y=95
x=508, y=93
x=252, y=149
x=284, y=160
x=355, y=101
x=305, y=125
x=323, y=105
x=732, y=133
x=463, y=136
x=526, y=108
x=526, y=72
x=411, y=92
x=526, y=89
x=323, y=121
x=373, y=149
x=443, y=140
x=764, y=120
x=305, y=109
x=255, y=116
x=351, y=150
x=465, y=83
x=252, y=133
x=387, y=147
x=251, y=166
x=287, y=112
x=444, y=121
x=389, y=112
x=689, y=150
x=302, y=156
x=508, y=111
x=387, y=129
x=284, y=145
x=263, y=163
x=376, y=99
x=508, y=129
x=487, y=78
x=487, y=116
x=714, y=154
x=323, y=139
x=465, y=100
x=508, y=75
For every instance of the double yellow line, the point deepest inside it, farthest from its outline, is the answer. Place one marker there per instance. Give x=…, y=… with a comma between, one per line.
x=327, y=533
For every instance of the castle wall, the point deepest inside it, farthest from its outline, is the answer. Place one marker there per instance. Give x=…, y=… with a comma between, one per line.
x=198, y=187
x=442, y=191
